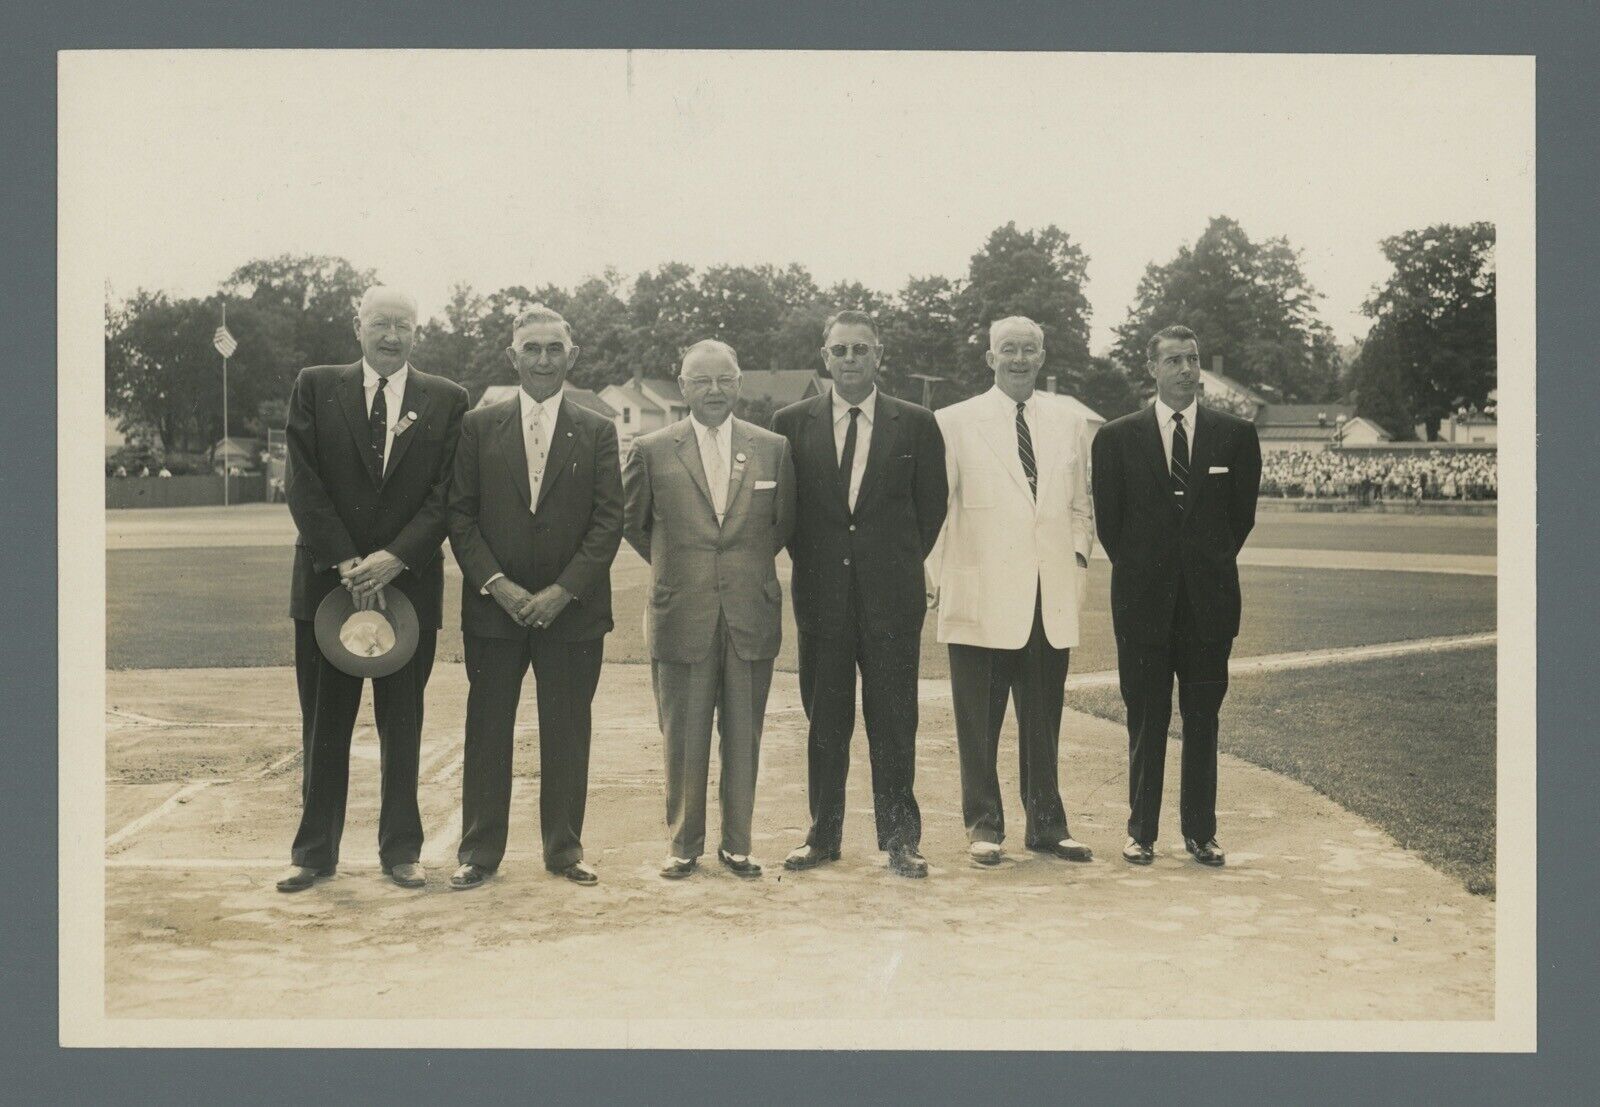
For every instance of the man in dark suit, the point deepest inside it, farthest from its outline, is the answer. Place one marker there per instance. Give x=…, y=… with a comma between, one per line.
x=1174, y=499
x=370, y=450
x=535, y=521
x=871, y=499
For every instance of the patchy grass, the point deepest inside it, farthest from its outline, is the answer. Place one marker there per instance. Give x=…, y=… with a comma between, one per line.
x=1408, y=743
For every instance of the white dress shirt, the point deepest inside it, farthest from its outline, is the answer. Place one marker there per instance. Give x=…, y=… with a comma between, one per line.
x=841, y=427
x=1164, y=421
x=1030, y=416
x=717, y=463
x=545, y=412
x=394, y=398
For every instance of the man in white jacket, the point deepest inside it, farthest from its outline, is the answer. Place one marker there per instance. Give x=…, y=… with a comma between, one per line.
x=1009, y=574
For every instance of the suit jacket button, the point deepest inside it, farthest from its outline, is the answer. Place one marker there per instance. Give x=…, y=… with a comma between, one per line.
x=852, y=528
x=847, y=560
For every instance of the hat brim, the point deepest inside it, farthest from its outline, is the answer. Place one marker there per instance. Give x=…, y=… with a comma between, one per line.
x=339, y=605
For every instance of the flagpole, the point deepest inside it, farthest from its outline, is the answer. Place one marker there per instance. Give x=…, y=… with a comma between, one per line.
x=225, y=480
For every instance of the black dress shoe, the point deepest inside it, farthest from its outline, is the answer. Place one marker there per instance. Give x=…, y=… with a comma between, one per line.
x=469, y=876
x=809, y=856
x=1067, y=849
x=1208, y=854
x=579, y=873
x=299, y=878
x=746, y=868
x=906, y=861
x=408, y=875
x=1137, y=853
x=676, y=868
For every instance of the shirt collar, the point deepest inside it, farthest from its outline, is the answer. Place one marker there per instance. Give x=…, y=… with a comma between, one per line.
x=1164, y=413
x=841, y=406
x=701, y=430
x=1030, y=405
x=548, y=407
x=369, y=377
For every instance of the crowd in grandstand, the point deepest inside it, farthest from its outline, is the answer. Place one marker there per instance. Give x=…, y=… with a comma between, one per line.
x=1371, y=477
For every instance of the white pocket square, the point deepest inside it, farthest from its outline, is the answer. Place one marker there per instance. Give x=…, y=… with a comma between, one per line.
x=1217, y=469
x=765, y=484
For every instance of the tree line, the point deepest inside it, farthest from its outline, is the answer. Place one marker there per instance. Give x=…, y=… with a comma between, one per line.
x=1432, y=343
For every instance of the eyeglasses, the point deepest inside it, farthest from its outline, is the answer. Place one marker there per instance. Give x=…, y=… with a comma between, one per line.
x=722, y=384
x=554, y=351
x=860, y=349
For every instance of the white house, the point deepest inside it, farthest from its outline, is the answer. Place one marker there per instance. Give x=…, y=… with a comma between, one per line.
x=644, y=404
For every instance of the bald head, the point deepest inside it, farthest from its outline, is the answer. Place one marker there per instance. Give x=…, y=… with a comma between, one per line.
x=386, y=327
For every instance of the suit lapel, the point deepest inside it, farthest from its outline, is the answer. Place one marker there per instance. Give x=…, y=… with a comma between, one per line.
x=1155, y=454
x=1046, y=439
x=1000, y=432
x=509, y=445
x=562, y=440
x=414, y=402
x=738, y=471
x=819, y=432
x=884, y=417
x=354, y=403
x=689, y=455
x=1200, y=454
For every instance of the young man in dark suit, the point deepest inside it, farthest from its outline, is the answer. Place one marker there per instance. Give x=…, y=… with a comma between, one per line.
x=535, y=521
x=1174, y=500
x=370, y=451
x=872, y=494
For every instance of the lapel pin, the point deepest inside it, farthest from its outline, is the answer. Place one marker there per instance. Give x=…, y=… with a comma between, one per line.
x=400, y=427
x=739, y=457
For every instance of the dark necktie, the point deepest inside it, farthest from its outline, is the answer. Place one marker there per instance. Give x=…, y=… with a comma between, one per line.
x=1180, y=460
x=847, y=461
x=378, y=423
x=1025, y=452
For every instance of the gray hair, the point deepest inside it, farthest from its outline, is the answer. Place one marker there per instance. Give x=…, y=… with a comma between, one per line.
x=380, y=291
x=716, y=344
x=538, y=313
x=850, y=316
x=998, y=323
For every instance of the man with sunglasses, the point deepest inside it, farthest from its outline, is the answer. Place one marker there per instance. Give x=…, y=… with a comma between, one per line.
x=871, y=499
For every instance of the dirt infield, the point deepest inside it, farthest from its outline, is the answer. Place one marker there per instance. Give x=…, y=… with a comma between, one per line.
x=1317, y=916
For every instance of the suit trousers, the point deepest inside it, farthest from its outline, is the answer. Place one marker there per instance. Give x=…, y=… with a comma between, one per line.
x=888, y=665
x=687, y=697
x=1035, y=679
x=1145, y=671
x=329, y=700
x=565, y=675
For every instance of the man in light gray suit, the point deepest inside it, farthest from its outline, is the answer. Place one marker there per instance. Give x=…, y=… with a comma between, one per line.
x=710, y=502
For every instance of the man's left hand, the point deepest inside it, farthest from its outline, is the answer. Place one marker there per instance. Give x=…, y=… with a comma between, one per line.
x=375, y=570
x=545, y=606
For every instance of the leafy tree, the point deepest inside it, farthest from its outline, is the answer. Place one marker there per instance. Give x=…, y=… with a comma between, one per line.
x=1104, y=387
x=664, y=318
x=317, y=295
x=921, y=334
x=1248, y=302
x=1039, y=274
x=1432, y=345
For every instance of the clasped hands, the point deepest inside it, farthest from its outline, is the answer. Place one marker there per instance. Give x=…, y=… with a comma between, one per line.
x=530, y=609
x=366, y=576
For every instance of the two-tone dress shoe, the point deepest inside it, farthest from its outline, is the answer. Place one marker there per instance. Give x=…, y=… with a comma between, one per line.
x=676, y=868
x=906, y=861
x=984, y=853
x=408, y=875
x=299, y=878
x=579, y=873
x=1137, y=853
x=739, y=864
x=1068, y=849
x=1208, y=853
x=469, y=876
x=808, y=856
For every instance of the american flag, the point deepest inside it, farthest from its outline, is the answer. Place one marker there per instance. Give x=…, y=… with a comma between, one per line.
x=224, y=341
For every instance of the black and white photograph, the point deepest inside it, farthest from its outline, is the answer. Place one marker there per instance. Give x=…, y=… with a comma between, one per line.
x=707, y=549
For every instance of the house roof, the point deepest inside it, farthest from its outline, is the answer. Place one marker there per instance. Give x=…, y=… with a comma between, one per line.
x=780, y=386
x=665, y=393
x=1296, y=434
x=1231, y=385
x=1315, y=416
x=583, y=397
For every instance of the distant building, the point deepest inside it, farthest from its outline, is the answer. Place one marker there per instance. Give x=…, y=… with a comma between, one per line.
x=1315, y=427
x=1234, y=396
x=235, y=452
x=644, y=404
x=780, y=387
x=1089, y=415
x=1469, y=426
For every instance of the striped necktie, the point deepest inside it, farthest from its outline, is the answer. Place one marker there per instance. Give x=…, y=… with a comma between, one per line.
x=1025, y=452
x=1180, y=460
x=378, y=423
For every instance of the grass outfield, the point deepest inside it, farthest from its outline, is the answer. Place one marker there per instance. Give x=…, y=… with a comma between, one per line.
x=1408, y=743
x=196, y=608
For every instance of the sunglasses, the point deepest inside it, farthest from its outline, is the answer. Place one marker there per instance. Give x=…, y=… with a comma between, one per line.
x=860, y=349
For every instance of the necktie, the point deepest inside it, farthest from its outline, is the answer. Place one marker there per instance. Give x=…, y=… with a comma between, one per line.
x=717, y=473
x=1025, y=452
x=1180, y=460
x=536, y=452
x=378, y=423
x=847, y=460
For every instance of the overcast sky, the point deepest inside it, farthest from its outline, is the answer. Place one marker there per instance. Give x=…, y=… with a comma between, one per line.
x=530, y=167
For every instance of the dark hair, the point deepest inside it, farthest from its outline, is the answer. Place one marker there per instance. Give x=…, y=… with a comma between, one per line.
x=1180, y=332
x=852, y=316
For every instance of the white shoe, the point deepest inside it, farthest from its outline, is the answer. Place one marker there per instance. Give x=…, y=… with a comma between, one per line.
x=984, y=853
